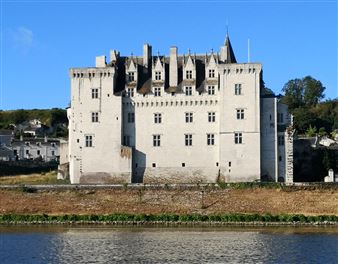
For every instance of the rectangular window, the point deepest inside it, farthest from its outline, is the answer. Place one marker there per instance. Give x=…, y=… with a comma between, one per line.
x=157, y=91
x=188, y=90
x=158, y=76
x=211, y=90
x=156, y=140
x=131, y=76
x=183, y=164
x=126, y=140
x=27, y=151
x=188, y=139
x=211, y=117
x=157, y=118
x=95, y=117
x=38, y=152
x=212, y=73
x=210, y=139
x=95, y=93
x=53, y=153
x=238, y=138
x=131, y=117
x=240, y=113
x=238, y=89
x=280, y=118
x=188, y=75
x=280, y=140
x=130, y=92
x=89, y=141
x=189, y=117
x=154, y=165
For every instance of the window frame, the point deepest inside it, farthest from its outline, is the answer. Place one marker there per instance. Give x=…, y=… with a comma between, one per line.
x=157, y=140
x=89, y=141
x=131, y=76
x=158, y=75
x=188, y=74
x=95, y=117
x=210, y=139
x=240, y=114
x=189, y=117
x=211, y=73
x=157, y=118
x=157, y=91
x=188, y=90
x=211, y=90
x=238, y=137
x=211, y=117
x=238, y=89
x=95, y=93
x=188, y=140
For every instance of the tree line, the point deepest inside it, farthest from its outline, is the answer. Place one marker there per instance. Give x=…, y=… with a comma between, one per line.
x=312, y=115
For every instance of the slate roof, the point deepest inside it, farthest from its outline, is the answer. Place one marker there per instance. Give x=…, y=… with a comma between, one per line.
x=144, y=79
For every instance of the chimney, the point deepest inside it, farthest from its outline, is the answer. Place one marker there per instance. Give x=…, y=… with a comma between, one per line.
x=146, y=55
x=46, y=139
x=173, y=68
x=114, y=55
x=100, y=62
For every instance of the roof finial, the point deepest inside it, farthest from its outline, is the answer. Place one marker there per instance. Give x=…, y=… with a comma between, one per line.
x=212, y=51
x=189, y=51
x=227, y=24
x=158, y=53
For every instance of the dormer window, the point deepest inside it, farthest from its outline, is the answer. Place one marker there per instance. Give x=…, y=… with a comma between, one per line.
x=212, y=73
x=158, y=76
x=188, y=75
x=157, y=91
x=211, y=90
x=131, y=76
x=188, y=90
x=130, y=92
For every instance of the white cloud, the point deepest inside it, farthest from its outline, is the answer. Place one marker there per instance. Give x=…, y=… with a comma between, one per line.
x=23, y=39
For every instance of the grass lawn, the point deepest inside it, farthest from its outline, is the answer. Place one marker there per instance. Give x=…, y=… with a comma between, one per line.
x=35, y=178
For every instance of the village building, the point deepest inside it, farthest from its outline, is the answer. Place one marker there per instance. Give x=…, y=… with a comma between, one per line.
x=177, y=118
x=44, y=149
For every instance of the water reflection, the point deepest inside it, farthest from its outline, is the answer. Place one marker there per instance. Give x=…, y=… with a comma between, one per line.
x=168, y=245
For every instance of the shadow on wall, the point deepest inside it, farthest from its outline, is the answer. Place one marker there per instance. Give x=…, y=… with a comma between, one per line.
x=139, y=166
x=311, y=164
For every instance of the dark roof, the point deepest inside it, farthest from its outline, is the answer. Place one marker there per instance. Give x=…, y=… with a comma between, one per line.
x=6, y=132
x=230, y=53
x=144, y=79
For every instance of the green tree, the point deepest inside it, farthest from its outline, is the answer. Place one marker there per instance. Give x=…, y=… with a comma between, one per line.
x=313, y=91
x=293, y=94
x=305, y=92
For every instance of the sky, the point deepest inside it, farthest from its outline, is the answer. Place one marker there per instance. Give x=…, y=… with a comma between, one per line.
x=41, y=40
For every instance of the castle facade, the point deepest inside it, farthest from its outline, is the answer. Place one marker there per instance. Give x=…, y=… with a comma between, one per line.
x=177, y=118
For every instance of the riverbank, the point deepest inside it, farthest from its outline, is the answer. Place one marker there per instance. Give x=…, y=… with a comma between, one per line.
x=172, y=220
x=179, y=200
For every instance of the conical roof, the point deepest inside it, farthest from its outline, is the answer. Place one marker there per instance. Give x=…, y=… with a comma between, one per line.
x=230, y=53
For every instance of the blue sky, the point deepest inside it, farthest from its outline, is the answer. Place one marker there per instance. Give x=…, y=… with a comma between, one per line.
x=41, y=40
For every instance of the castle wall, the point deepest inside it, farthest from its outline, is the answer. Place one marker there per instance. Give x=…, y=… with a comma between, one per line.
x=241, y=161
x=103, y=157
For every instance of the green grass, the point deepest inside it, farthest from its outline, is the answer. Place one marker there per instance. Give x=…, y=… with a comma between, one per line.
x=233, y=218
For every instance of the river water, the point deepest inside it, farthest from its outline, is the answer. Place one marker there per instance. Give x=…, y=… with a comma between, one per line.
x=51, y=244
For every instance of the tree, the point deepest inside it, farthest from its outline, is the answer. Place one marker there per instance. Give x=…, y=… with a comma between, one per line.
x=306, y=92
x=313, y=91
x=293, y=94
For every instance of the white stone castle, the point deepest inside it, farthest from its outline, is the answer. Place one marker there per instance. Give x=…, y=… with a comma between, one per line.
x=177, y=118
